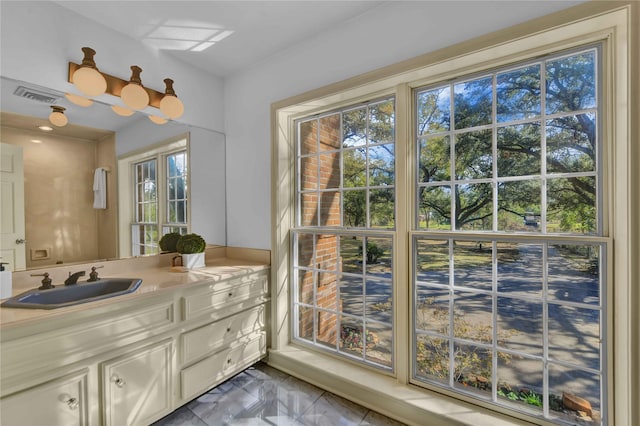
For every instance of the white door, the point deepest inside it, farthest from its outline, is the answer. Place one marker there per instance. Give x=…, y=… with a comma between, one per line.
x=12, y=232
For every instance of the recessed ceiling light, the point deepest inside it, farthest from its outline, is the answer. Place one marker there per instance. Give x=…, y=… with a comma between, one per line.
x=36, y=141
x=45, y=128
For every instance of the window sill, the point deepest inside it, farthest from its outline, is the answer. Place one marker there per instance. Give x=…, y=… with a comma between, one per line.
x=406, y=403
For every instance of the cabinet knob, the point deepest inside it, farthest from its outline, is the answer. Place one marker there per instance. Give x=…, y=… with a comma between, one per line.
x=119, y=382
x=72, y=403
x=230, y=294
x=229, y=330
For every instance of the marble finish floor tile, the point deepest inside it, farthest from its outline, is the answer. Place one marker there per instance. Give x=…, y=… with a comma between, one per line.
x=264, y=396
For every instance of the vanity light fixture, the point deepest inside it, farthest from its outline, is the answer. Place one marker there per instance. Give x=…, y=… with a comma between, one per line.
x=57, y=117
x=120, y=110
x=78, y=100
x=158, y=120
x=87, y=78
x=133, y=94
x=170, y=105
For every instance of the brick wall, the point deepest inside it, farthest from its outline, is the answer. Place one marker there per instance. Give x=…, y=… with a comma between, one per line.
x=319, y=171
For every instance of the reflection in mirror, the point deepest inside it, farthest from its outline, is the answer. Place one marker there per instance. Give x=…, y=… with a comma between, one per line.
x=59, y=222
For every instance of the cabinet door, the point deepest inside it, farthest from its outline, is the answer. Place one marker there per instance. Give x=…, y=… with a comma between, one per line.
x=136, y=387
x=59, y=402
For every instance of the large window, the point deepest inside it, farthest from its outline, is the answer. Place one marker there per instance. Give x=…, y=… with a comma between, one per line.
x=343, y=243
x=507, y=241
x=510, y=241
x=144, y=233
x=160, y=204
x=509, y=303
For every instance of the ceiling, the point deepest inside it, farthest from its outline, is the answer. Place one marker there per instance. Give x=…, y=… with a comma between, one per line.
x=224, y=38
x=244, y=33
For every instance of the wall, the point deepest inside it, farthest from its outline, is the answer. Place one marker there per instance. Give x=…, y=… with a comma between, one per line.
x=107, y=218
x=59, y=213
x=393, y=32
x=207, y=171
x=39, y=38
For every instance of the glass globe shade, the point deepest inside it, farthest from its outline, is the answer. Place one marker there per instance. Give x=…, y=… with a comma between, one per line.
x=78, y=100
x=134, y=96
x=89, y=81
x=157, y=120
x=171, y=106
x=125, y=112
x=58, y=119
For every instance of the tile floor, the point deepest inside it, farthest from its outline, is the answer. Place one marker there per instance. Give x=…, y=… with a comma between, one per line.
x=262, y=395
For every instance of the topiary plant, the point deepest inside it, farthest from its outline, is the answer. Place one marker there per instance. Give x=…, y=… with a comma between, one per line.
x=168, y=241
x=191, y=243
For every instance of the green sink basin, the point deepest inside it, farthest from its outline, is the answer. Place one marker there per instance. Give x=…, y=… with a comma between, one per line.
x=75, y=294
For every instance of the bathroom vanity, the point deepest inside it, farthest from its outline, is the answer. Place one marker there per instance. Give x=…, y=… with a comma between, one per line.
x=132, y=359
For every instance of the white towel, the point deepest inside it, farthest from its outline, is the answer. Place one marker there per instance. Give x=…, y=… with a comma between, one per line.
x=100, y=189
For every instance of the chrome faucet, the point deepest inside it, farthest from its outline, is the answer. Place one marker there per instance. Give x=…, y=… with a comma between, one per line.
x=73, y=278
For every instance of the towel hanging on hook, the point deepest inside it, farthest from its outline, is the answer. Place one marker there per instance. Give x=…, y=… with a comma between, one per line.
x=100, y=188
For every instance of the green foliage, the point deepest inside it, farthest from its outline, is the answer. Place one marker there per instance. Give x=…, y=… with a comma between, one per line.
x=571, y=148
x=168, y=242
x=366, y=165
x=508, y=394
x=191, y=243
x=512, y=396
x=531, y=398
x=351, y=338
x=374, y=252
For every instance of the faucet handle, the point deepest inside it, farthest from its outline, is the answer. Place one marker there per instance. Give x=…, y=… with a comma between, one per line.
x=46, y=281
x=93, y=275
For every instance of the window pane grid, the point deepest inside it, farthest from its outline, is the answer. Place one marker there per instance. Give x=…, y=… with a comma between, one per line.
x=144, y=227
x=346, y=170
x=582, y=262
x=343, y=294
x=505, y=311
x=161, y=201
x=176, y=164
x=472, y=168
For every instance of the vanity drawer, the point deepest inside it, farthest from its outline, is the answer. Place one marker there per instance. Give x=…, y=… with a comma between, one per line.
x=199, y=342
x=221, y=295
x=216, y=368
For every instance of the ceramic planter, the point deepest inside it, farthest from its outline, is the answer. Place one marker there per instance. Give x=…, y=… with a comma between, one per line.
x=193, y=261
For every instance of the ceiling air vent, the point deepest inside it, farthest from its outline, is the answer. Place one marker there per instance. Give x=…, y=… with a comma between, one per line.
x=36, y=95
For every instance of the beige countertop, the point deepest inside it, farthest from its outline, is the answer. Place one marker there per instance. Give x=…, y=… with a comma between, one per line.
x=157, y=278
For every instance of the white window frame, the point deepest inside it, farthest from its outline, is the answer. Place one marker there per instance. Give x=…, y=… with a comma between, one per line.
x=581, y=26
x=126, y=192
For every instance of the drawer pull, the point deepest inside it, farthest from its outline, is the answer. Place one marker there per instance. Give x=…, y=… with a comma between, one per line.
x=229, y=361
x=229, y=330
x=230, y=294
x=119, y=382
x=72, y=403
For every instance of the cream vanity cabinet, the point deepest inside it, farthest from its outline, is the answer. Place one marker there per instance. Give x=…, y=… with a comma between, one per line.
x=131, y=362
x=234, y=340
x=136, y=387
x=60, y=402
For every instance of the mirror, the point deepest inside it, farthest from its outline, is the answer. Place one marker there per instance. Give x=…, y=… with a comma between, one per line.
x=61, y=224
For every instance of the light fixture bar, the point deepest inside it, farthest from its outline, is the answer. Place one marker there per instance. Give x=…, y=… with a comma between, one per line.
x=115, y=85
